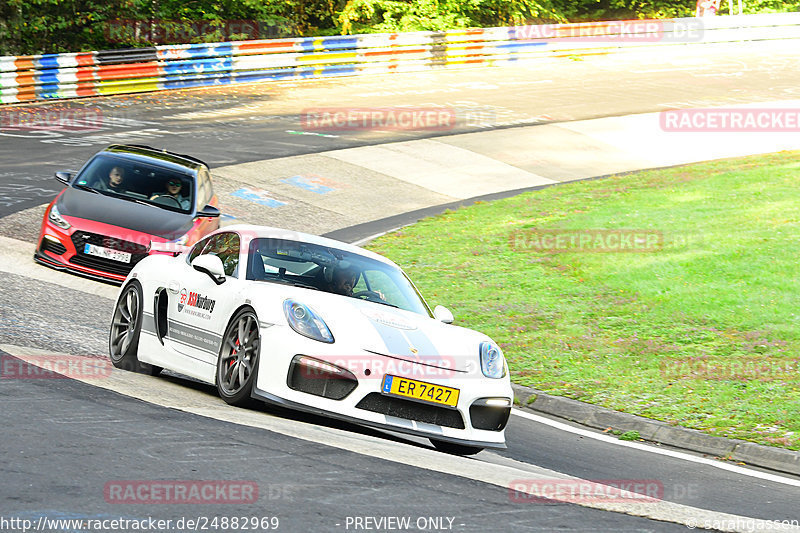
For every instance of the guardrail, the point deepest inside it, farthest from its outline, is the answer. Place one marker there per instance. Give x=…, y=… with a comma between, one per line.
x=74, y=75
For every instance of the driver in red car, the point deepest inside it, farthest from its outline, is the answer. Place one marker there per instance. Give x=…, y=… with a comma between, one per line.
x=173, y=190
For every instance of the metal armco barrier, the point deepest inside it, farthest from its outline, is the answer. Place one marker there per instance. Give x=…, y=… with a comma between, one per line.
x=73, y=75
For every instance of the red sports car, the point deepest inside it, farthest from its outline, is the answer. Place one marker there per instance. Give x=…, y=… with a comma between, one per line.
x=124, y=200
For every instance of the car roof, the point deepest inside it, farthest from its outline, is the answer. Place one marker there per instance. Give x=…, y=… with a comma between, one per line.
x=138, y=152
x=280, y=233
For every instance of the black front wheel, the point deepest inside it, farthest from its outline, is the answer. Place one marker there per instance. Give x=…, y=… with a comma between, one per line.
x=237, y=364
x=126, y=326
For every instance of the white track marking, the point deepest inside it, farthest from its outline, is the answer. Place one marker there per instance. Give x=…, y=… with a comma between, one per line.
x=17, y=258
x=652, y=449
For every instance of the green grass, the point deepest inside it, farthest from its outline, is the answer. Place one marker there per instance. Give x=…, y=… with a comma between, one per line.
x=703, y=332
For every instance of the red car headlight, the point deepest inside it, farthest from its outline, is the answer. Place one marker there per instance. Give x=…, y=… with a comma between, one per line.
x=56, y=218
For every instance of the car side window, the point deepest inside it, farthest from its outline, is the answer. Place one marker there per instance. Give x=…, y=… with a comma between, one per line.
x=198, y=247
x=226, y=247
x=378, y=282
x=204, y=189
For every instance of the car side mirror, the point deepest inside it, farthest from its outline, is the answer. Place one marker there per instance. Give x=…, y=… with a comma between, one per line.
x=64, y=177
x=211, y=265
x=209, y=211
x=443, y=314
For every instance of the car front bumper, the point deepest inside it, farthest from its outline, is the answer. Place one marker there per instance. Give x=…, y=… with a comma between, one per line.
x=470, y=422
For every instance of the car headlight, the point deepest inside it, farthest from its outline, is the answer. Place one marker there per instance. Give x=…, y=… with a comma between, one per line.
x=306, y=322
x=493, y=363
x=56, y=218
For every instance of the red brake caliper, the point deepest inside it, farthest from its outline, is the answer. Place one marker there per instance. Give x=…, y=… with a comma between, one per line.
x=235, y=351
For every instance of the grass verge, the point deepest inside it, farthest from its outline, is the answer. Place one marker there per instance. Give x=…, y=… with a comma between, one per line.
x=698, y=326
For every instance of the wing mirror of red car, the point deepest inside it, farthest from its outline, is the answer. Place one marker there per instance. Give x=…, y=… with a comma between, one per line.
x=211, y=265
x=209, y=211
x=64, y=177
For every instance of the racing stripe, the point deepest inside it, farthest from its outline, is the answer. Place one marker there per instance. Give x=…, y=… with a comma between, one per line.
x=399, y=342
x=148, y=323
x=195, y=337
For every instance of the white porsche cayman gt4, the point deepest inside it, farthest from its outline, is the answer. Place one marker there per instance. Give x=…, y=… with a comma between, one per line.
x=316, y=325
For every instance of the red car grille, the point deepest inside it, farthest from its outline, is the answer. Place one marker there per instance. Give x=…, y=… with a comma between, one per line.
x=81, y=238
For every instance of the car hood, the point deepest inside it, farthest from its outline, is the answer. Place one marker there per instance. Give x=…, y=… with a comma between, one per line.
x=123, y=213
x=384, y=330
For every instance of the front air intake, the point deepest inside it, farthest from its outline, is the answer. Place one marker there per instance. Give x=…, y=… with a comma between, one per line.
x=319, y=378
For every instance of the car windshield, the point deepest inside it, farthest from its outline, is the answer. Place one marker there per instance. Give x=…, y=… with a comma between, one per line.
x=332, y=270
x=138, y=181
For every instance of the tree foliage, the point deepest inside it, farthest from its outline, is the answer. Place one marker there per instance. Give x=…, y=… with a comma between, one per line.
x=49, y=26
x=366, y=16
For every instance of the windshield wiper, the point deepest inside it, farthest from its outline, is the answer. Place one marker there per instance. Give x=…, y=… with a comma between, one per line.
x=136, y=200
x=384, y=303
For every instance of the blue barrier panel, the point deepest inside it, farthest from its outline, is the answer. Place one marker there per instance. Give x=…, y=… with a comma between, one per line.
x=198, y=66
x=327, y=43
x=48, y=77
x=248, y=76
x=330, y=70
x=521, y=46
x=48, y=61
x=185, y=82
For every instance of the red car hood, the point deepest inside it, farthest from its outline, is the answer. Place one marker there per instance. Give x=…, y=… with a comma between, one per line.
x=126, y=214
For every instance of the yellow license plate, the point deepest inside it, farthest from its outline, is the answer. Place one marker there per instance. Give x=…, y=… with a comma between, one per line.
x=419, y=390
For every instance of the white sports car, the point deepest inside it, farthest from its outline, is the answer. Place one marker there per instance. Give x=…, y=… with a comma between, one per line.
x=317, y=325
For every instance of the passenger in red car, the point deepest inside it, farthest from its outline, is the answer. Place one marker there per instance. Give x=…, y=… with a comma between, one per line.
x=115, y=178
x=115, y=183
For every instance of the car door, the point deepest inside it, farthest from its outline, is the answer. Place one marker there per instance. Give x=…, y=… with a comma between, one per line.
x=199, y=312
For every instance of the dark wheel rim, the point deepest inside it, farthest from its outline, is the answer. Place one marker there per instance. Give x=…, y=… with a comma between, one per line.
x=239, y=355
x=123, y=328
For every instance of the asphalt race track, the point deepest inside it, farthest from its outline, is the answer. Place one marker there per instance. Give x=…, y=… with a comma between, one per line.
x=66, y=441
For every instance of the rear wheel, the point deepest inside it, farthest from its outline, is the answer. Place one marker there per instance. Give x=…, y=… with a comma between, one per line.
x=126, y=325
x=237, y=364
x=453, y=448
